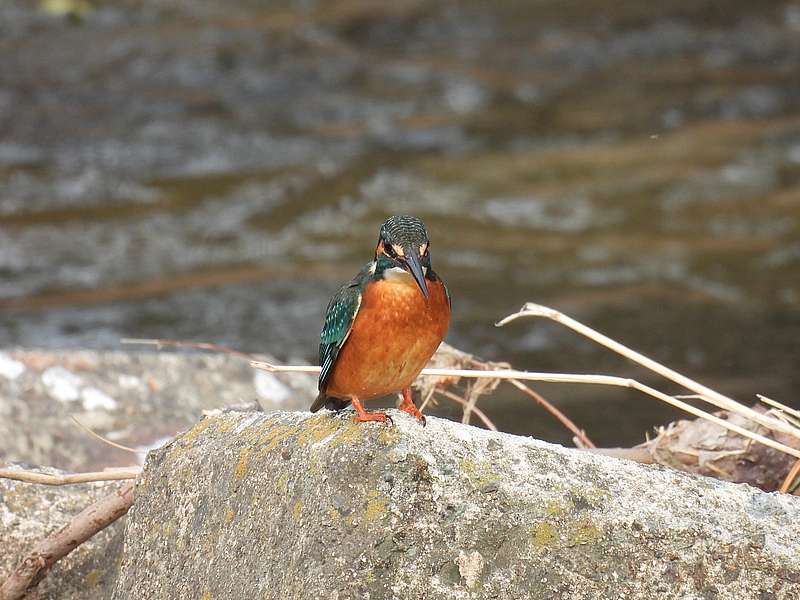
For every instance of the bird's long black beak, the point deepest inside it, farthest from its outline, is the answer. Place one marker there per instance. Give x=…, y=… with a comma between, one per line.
x=413, y=266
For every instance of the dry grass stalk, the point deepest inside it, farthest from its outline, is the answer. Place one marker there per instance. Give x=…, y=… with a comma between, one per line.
x=705, y=393
x=444, y=375
x=789, y=485
x=69, y=478
x=569, y=378
x=782, y=407
x=97, y=436
x=447, y=356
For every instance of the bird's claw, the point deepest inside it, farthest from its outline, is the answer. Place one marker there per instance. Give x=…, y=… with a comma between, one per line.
x=373, y=416
x=414, y=412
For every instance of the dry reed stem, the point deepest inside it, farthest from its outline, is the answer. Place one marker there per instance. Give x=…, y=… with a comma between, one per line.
x=707, y=394
x=468, y=407
x=793, y=473
x=533, y=376
x=567, y=378
x=69, y=478
x=782, y=407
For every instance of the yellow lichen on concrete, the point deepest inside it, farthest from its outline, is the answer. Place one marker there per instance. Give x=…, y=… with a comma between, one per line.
x=351, y=434
x=229, y=515
x=389, y=436
x=585, y=532
x=543, y=534
x=480, y=474
x=194, y=432
x=240, y=470
x=376, y=506
x=554, y=508
x=274, y=436
x=92, y=577
x=281, y=485
x=206, y=596
x=317, y=428
x=297, y=510
x=333, y=514
x=225, y=425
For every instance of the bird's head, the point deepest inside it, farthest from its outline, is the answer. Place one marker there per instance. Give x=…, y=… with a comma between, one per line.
x=403, y=243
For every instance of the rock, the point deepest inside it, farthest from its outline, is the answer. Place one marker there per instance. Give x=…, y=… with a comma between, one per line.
x=138, y=399
x=290, y=505
x=29, y=513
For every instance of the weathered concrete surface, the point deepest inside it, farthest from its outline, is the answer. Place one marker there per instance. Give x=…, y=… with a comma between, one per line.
x=139, y=399
x=29, y=513
x=289, y=505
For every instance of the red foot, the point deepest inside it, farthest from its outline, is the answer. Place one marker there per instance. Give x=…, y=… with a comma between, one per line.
x=362, y=416
x=409, y=407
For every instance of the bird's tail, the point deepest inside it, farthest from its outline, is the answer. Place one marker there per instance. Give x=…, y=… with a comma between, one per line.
x=329, y=402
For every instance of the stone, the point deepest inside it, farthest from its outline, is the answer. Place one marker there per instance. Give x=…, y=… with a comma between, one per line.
x=293, y=505
x=138, y=399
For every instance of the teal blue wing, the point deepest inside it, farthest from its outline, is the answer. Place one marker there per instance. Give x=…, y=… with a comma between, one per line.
x=339, y=318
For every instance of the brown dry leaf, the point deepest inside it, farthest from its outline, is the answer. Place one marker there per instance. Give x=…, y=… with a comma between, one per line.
x=701, y=447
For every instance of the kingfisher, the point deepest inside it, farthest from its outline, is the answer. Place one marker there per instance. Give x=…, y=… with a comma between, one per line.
x=382, y=328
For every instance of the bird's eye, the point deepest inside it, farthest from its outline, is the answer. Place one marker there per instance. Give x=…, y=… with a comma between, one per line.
x=389, y=251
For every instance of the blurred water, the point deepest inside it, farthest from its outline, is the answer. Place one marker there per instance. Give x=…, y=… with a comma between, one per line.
x=213, y=171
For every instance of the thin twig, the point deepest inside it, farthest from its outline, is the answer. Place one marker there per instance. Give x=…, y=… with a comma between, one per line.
x=194, y=345
x=481, y=415
x=69, y=478
x=711, y=396
x=102, y=439
x=44, y=555
x=564, y=419
x=427, y=399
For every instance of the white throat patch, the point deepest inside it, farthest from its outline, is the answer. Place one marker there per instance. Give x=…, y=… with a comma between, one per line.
x=400, y=273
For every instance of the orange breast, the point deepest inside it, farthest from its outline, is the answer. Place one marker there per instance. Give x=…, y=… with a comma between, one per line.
x=395, y=333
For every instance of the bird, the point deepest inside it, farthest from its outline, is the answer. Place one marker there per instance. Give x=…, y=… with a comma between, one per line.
x=383, y=326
